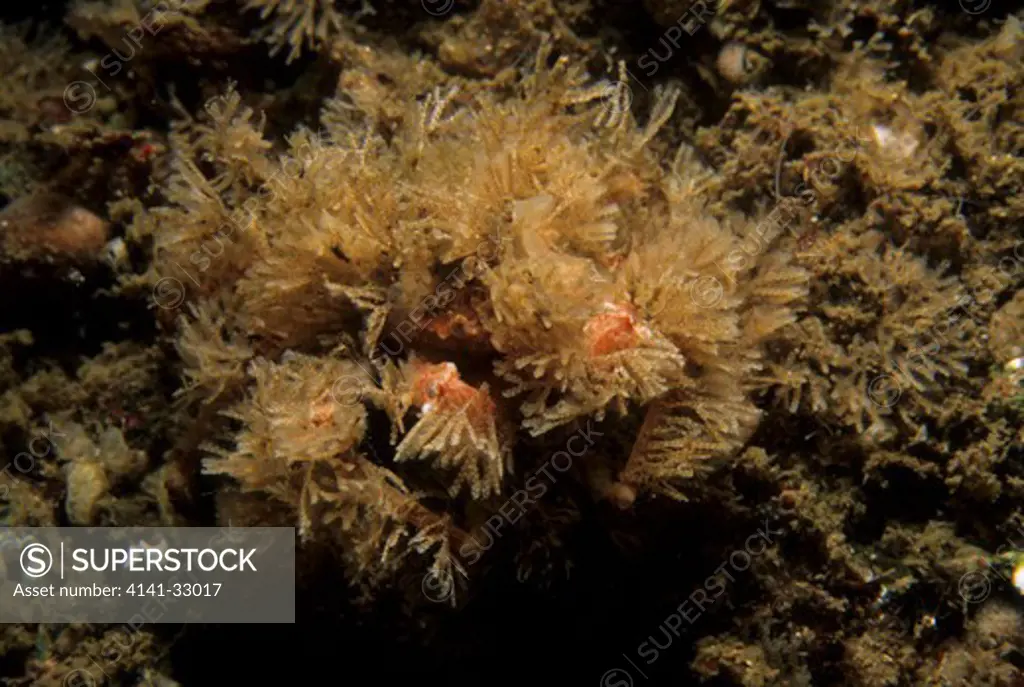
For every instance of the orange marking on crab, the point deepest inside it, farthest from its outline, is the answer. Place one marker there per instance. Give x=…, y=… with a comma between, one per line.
x=611, y=331
x=439, y=387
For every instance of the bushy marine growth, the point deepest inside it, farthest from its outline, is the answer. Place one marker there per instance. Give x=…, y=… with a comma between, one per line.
x=486, y=270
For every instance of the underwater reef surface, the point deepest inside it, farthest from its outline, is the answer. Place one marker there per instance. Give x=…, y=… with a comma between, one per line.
x=582, y=342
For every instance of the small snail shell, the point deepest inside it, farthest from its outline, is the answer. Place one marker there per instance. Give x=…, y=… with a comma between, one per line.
x=737, y=63
x=115, y=254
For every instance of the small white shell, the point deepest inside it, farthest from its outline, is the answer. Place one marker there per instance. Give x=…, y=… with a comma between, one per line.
x=736, y=62
x=115, y=253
